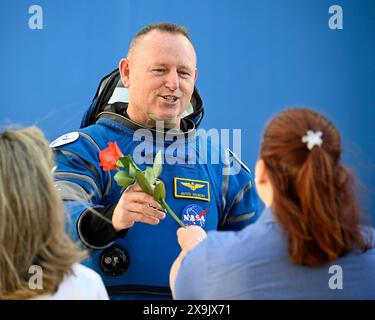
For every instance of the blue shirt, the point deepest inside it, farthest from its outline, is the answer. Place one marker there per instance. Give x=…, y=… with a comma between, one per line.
x=254, y=264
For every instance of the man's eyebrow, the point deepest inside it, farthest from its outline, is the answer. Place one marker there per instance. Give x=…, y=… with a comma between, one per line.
x=165, y=65
x=185, y=67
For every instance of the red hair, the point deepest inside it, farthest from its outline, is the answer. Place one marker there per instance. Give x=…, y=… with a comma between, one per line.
x=314, y=200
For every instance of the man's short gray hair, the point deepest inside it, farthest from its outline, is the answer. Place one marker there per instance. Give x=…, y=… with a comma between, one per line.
x=163, y=27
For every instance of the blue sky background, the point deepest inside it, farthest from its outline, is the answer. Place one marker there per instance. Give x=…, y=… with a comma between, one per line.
x=254, y=59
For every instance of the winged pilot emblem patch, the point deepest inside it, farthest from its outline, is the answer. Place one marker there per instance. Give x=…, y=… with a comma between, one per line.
x=192, y=186
x=191, y=189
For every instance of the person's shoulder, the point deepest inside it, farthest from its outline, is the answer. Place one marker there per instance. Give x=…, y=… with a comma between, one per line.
x=85, y=273
x=219, y=240
x=91, y=137
x=255, y=239
x=251, y=231
x=81, y=284
x=65, y=139
x=90, y=283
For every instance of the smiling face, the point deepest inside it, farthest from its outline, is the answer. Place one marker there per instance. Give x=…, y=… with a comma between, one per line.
x=160, y=73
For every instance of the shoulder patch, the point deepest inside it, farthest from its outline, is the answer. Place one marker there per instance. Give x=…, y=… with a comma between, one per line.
x=65, y=139
x=238, y=160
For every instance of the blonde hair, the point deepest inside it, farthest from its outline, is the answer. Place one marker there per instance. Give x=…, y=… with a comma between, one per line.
x=32, y=229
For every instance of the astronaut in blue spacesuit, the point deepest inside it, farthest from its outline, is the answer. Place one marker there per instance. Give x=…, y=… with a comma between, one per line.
x=132, y=242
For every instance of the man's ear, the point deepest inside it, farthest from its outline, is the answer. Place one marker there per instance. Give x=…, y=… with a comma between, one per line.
x=195, y=74
x=124, y=71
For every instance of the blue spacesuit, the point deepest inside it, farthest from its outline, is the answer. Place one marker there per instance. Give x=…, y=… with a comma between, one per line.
x=135, y=263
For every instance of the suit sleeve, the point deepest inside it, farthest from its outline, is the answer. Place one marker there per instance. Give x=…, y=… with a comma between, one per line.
x=83, y=186
x=239, y=198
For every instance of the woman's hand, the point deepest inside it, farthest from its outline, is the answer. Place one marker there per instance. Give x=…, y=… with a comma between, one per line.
x=190, y=236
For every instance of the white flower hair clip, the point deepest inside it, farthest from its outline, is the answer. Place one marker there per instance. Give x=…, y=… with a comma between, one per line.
x=313, y=139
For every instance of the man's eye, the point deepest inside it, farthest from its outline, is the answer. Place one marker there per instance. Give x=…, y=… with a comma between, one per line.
x=184, y=74
x=158, y=70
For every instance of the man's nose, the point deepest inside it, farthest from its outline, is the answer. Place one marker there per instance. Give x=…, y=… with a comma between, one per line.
x=171, y=81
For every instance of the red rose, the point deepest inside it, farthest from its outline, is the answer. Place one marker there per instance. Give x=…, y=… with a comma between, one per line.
x=128, y=173
x=109, y=156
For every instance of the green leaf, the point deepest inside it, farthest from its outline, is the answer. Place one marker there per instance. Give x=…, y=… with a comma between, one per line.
x=119, y=163
x=132, y=170
x=124, y=161
x=143, y=183
x=150, y=176
x=124, y=173
x=158, y=165
x=123, y=179
x=159, y=191
x=134, y=165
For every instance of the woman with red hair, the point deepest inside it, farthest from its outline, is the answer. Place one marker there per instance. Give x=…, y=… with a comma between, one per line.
x=309, y=243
